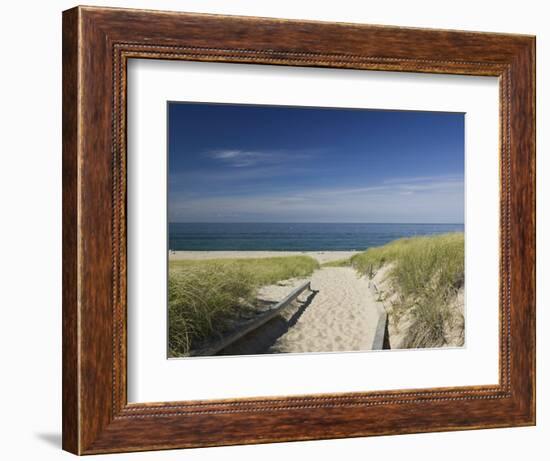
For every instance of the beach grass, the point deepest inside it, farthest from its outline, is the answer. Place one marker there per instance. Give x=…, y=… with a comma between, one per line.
x=206, y=296
x=427, y=272
x=345, y=262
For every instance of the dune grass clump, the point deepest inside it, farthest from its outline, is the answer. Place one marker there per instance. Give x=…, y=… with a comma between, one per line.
x=338, y=263
x=206, y=296
x=427, y=272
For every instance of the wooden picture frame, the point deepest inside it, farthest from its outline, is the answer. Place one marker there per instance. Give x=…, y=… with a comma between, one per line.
x=97, y=43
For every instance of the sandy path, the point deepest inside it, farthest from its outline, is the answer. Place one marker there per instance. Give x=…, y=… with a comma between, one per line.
x=343, y=315
x=320, y=256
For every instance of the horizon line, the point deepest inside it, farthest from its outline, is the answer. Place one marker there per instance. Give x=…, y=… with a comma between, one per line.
x=308, y=222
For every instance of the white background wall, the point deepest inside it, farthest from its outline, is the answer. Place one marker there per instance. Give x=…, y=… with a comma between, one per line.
x=30, y=214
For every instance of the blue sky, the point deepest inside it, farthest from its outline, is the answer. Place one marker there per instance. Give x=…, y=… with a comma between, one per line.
x=248, y=163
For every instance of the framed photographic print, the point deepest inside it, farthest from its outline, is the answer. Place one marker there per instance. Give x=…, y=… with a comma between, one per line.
x=284, y=230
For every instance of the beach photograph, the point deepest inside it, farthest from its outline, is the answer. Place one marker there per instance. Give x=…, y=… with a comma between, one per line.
x=313, y=230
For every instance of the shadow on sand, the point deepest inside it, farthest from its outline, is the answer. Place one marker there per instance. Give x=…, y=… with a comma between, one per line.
x=261, y=340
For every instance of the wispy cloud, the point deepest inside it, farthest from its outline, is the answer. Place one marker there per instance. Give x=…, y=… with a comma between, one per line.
x=423, y=179
x=437, y=199
x=239, y=158
x=251, y=158
x=403, y=186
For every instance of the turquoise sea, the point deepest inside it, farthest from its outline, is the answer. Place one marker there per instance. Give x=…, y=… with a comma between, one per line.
x=294, y=236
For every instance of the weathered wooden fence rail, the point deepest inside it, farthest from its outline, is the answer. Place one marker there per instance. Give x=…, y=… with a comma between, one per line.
x=252, y=325
x=381, y=339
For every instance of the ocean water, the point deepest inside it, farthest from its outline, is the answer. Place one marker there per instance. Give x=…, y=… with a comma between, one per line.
x=295, y=236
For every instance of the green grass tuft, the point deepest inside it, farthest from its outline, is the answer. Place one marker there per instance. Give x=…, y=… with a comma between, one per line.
x=205, y=296
x=338, y=263
x=427, y=272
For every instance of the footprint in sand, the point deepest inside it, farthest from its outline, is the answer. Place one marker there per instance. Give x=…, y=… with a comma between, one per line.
x=342, y=316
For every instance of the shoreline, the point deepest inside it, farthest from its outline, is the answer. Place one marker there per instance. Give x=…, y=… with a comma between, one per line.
x=321, y=256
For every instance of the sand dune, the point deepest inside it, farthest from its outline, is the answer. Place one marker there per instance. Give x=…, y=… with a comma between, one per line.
x=321, y=256
x=342, y=316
